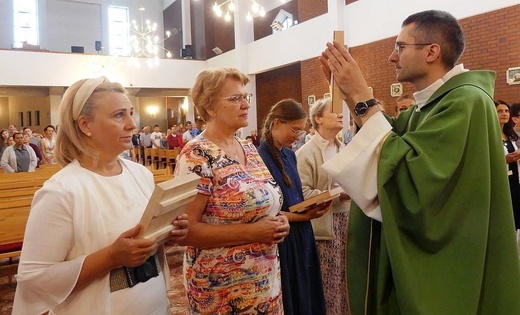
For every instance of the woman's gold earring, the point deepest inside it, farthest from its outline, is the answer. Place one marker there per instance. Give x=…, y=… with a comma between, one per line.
x=89, y=134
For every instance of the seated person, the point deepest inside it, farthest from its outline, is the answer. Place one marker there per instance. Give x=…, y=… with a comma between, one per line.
x=18, y=157
x=27, y=140
x=175, y=138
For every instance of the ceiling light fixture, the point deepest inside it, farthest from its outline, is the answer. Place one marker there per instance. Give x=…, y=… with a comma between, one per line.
x=145, y=43
x=256, y=8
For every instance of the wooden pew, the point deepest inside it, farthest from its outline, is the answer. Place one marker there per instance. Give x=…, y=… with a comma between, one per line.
x=171, y=159
x=162, y=178
x=159, y=172
x=13, y=220
x=17, y=192
x=16, y=195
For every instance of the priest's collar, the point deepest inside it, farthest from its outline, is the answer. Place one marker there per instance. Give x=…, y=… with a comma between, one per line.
x=422, y=96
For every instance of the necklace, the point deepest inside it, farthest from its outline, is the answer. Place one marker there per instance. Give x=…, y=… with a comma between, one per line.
x=230, y=150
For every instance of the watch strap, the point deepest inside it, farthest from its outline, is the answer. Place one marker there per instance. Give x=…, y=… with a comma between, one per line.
x=371, y=102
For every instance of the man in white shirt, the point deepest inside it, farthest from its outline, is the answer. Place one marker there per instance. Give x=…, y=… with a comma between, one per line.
x=432, y=215
x=187, y=136
x=156, y=137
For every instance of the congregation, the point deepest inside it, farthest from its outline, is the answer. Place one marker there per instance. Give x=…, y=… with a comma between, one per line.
x=408, y=233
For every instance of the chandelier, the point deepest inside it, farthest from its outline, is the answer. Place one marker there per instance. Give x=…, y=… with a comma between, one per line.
x=144, y=43
x=255, y=8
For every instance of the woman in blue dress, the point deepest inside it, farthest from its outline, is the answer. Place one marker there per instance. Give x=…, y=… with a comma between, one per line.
x=302, y=288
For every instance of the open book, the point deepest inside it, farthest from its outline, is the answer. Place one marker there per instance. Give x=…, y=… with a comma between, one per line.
x=316, y=200
x=169, y=200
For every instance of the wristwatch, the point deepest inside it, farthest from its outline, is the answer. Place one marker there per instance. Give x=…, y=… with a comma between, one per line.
x=361, y=108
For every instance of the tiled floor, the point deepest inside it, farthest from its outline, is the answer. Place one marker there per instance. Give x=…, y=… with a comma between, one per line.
x=176, y=295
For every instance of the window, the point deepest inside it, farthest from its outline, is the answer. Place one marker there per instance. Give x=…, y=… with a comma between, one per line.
x=20, y=119
x=25, y=26
x=118, y=31
x=37, y=117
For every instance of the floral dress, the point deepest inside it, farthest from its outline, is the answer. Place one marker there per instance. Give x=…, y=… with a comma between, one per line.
x=242, y=279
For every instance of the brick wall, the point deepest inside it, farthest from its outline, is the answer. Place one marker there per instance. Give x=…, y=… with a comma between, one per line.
x=219, y=32
x=379, y=72
x=492, y=42
x=262, y=25
x=172, y=17
x=302, y=10
x=308, y=9
x=209, y=31
x=313, y=81
x=275, y=85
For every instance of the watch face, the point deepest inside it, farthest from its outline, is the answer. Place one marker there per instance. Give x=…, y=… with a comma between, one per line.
x=361, y=109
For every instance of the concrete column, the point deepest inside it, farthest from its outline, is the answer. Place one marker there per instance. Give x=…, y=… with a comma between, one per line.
x=55, y=95
x=244, y=34
x=186, y=22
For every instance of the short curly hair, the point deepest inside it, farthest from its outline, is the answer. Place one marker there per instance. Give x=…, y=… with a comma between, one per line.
x=208, y=83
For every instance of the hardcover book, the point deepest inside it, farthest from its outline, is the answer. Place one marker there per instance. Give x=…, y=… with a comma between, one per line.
x=316, y=200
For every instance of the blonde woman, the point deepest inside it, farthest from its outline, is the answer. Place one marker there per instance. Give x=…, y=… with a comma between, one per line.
x=79, y=252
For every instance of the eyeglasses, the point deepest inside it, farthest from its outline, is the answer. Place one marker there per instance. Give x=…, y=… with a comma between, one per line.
x=297, y=133
x=399, y=46
x=237, y=98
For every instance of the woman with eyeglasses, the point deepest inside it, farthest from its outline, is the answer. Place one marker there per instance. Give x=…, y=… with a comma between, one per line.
x=330, y=229
x=302, y=288
x=231, y=262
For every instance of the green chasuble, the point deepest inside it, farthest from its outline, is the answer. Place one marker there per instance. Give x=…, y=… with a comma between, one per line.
x=447, y=242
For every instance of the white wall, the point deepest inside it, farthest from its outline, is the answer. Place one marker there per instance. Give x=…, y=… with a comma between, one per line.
x=27, y=68
x=24, y=104
x=371, y=20
x=299, y=42
x=66, y=29
x=6, y=24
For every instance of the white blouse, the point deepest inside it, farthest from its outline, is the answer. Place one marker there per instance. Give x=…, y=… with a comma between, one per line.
x=74, y=214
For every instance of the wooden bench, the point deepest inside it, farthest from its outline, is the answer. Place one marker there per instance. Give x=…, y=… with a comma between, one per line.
x=18, y=192
x=16, y=195
x=159, y=172
x=162, y=178
x=171, y=159
x=13, y=220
